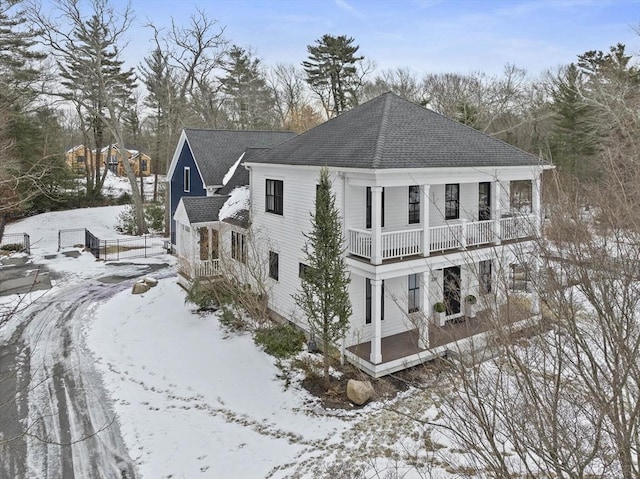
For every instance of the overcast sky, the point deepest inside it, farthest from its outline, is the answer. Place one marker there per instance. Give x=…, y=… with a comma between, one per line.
x=424, y=35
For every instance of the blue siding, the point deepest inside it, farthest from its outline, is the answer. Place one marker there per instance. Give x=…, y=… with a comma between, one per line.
x=176, y=184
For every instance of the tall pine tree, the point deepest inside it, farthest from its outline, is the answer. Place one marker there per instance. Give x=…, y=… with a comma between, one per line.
x=332, y=73
x=324, y=294
x=249, y=101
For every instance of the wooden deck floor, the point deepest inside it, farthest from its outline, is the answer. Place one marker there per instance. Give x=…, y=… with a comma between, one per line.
x=405, y=344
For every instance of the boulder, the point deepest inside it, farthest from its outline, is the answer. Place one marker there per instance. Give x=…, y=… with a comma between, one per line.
x=151, y=282
x=140, y=287
x=359, y=392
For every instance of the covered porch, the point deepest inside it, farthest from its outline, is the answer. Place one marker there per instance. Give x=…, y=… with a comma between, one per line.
x=403, y=350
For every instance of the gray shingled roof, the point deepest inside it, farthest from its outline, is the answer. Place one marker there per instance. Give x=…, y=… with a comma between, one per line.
x=215, y=151
x=391, y=132
x=240, y=177
x=203, y=209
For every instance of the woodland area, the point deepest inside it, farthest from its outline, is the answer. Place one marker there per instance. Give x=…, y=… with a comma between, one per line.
x=63, y=82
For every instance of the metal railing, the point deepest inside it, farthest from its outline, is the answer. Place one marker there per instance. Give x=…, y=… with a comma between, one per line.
x=16, y=242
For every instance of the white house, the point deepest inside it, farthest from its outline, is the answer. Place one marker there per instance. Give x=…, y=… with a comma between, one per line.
x=429, y=216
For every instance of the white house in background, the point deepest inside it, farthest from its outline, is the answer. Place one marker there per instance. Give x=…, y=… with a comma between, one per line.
x=433, y=211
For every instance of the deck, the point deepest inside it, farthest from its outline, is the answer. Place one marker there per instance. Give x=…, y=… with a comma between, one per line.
x=402, y=350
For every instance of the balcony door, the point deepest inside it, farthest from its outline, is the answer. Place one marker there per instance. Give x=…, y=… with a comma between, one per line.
x=451, y=289
x=484, y=201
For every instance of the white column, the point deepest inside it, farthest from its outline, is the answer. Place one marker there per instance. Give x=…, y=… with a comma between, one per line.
x=496, y=210
x=425, y=200
x=376, y=225
x=535, y=206
x=534, y=280
x=425, y=307
x=376, y=307
x=463, y=233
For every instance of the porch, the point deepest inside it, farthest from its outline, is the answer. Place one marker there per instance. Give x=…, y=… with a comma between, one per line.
x=403, y=350
x=461, y=235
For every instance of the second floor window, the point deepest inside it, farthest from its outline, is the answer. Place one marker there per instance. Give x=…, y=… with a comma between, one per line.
x=186, y=181
x=414, y=204
x=369, y=201
x=274, y=200
x=452, y=201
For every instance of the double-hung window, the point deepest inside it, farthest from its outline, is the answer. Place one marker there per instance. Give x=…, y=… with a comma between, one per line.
x=274, y=200
x=414, y=293
x=274, y=266
x=238, y=247
x=414, y=204
x=484, y=273
x=368, y=303
x=369, y=201
x=452, y=201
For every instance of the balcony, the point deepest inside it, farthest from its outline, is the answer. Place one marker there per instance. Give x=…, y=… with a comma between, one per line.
x=409, y=242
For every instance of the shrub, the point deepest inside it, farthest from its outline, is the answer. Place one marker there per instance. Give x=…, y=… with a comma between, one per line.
x=12, y=247
x=127, y=220
x=440, y=307
x=281, y=340
x=470, y=299
x=154, y=215
x=231, y=320
x=200, y=294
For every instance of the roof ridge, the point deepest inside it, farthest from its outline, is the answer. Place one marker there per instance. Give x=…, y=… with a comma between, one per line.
x=382, y=132
x=237, y=131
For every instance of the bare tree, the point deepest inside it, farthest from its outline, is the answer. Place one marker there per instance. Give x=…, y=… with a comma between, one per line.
x=88, y=51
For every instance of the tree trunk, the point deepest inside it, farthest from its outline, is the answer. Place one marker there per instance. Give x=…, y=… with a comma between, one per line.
x=325, y=361
x=3, y=222
x=141, y=226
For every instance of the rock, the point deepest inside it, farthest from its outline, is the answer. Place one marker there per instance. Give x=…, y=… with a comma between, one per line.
x=140, y=287
x=151, y=282
x=359, y=392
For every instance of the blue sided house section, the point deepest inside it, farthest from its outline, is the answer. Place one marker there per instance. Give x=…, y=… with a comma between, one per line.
x=186, y=181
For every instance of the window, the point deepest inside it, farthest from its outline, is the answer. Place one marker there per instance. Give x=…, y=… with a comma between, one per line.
x=484, y=201
x=484, y=273
x=302, y=270
x=414, y=293
x=204, y=243
x=214, y=244
x=273, y=265
x=144, y=165
x=414, y=204
x=368, y=304
x=81, y=159
x=274, y=197
x=452, y=201
x=368, y=211
x=186, y=181
x=238, y=247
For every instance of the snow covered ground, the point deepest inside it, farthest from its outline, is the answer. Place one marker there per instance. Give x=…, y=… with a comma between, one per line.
x=193, y=400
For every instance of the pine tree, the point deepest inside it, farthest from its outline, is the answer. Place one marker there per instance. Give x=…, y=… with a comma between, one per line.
x=249, y=101
x=324, y=294
x=332, y=73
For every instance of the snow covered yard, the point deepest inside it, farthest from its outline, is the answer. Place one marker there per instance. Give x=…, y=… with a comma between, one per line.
x=193, y=400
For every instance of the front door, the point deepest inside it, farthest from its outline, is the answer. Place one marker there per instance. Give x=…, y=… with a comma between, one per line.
x=484, y=201
x=451, y=289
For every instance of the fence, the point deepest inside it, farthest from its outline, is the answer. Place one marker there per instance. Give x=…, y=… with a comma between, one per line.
x=112, y=249
x=16, y=242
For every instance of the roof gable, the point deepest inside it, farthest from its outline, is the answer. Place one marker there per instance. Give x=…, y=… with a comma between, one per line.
x=215, y=151
x=391, y=132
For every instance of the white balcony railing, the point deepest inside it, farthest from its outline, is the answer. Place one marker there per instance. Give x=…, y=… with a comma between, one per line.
x=398, y=244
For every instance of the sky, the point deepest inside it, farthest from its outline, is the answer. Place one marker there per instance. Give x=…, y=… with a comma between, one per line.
x=426, y=36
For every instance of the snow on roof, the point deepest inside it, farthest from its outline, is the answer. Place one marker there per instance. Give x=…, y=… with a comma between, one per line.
x=231, y=171
x=238, y=201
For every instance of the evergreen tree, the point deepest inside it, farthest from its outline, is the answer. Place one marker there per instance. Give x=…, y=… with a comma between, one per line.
x=95, y=81
x=575, y=138
x=332, y=73
x=324, y=295
x=249, y=101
